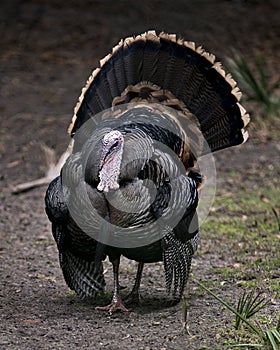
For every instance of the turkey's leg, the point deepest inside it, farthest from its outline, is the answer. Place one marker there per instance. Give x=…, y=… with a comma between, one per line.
x=117, y=303
x=134, y=296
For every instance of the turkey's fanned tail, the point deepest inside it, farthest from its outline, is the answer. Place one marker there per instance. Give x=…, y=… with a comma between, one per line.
x=184, y=74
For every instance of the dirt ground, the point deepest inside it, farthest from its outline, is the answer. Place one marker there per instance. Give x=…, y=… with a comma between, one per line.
x=47, y=51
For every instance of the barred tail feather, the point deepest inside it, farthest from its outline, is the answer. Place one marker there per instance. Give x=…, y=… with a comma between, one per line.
x=177, y=257
x=81, y=275
x=178, y=68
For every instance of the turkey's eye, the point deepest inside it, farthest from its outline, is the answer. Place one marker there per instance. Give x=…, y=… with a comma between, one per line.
x=105, y=142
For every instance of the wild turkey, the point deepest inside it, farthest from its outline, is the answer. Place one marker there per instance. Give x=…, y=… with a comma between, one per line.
x=155, y=105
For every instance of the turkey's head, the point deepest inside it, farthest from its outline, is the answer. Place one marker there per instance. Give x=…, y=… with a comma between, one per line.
x=110, y=161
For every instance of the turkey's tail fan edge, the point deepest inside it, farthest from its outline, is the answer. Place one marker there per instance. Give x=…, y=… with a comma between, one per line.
x=188, y=72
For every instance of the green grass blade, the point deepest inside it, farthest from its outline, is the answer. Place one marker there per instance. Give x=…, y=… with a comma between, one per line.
x=276, y=335
x=246, y=345
x=272, y=340
x=261, y=67
x=256, y=83
x=249, y=324
x=248, y=305
x=278, y=325
x=240, y=309
x=278, y=221
x=246, y=74
x=256, y=305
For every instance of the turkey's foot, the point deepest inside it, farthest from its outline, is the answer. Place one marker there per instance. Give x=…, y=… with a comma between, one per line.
x=116, y=305
x=133, y=298
x=122, y=287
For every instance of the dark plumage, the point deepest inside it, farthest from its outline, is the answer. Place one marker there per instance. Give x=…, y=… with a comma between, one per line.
x=180, y=101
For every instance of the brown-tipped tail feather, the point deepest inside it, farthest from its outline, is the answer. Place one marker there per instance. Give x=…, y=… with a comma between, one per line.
x=195, y=80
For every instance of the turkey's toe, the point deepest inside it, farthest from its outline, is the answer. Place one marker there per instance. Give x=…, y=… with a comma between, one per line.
x=113, y=307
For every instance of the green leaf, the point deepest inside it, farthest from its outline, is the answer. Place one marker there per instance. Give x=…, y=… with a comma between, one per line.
x=246, y=345
x=256, y=83
x=276, y=334
x=248, y=305
x=250, y=324
x=271, y=339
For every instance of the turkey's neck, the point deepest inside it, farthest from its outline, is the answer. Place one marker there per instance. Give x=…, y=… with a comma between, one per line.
x=110, y=171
